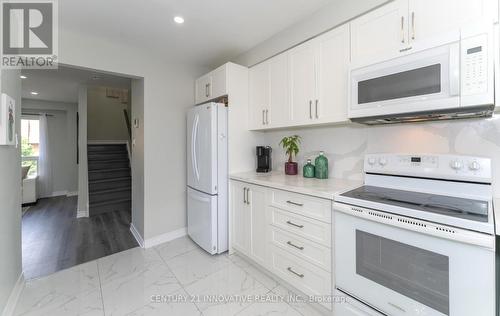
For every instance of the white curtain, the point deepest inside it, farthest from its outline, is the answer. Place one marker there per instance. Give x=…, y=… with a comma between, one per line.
x=44, y=162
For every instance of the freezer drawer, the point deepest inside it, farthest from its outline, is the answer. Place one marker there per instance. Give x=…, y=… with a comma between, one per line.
x=202, y=219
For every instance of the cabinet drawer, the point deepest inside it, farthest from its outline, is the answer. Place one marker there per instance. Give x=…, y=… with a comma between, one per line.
x=302, y=248
x=320, y=209
x=300, y=274
x=304, y=227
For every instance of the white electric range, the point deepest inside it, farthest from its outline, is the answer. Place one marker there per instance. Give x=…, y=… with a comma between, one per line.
x=418, y=238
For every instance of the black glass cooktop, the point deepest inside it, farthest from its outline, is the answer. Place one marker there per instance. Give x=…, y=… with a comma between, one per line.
x=475, y=210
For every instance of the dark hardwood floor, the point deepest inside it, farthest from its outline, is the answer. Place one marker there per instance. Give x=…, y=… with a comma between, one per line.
x=54, y=239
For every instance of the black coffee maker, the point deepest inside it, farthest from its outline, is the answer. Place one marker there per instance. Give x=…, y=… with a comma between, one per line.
x=264, y=160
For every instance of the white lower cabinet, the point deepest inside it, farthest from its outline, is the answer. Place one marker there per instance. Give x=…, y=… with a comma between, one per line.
x=288, y=234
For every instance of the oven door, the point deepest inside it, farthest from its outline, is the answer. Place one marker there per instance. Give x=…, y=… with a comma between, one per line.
x=404, y=272
x=423, y=81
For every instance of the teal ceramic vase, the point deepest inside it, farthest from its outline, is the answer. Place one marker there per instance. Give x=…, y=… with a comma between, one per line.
x=309, y=170
x=321, y=166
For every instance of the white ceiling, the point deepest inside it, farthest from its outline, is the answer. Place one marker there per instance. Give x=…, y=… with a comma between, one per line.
x=62, y=85
x=214, y=31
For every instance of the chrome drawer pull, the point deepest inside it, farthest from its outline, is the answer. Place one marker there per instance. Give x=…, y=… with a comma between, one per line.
x=293, y=224
x=294, y=203
x=300, y=275
x=291, y=244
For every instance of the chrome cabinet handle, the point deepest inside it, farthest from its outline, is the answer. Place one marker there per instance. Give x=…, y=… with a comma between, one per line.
x=403, y=29
x=413, y=25
x=248, y=196
x=245, y=195
x=300, y=275
x=208, y=90
x=317, y=116
x=293, y=245
x=267, y=117
x=295, y=203
x=293, y=224
x=263, y=117
x=310, y=109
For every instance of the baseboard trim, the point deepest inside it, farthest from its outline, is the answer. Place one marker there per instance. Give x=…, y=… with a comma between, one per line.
x=72, y=193
x=80, y=214
x=160, y=239
x=14, y=296
x=136, y=235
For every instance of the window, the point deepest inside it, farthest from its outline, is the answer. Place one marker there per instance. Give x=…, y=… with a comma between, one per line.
x=30, y=144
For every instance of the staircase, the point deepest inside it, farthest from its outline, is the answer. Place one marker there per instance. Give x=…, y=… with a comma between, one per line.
x=109, y=179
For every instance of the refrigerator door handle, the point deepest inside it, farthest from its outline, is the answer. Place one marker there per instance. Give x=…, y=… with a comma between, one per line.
x=194, y=137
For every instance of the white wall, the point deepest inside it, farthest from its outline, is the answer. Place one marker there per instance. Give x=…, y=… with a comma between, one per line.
x=168, y=91
x=105, y=118
x=62, y=141
x=10, y=197
x=326, y=18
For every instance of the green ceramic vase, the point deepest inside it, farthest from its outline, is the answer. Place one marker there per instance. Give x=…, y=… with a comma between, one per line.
x=309, y=170
x=321, y=165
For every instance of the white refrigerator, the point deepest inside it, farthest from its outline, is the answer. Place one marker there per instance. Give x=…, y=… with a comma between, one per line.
x=207, y=177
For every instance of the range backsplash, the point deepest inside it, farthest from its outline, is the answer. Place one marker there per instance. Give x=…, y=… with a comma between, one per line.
x=346, y=145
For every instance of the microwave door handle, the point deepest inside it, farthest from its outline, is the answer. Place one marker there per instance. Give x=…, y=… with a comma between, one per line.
x=454, y=69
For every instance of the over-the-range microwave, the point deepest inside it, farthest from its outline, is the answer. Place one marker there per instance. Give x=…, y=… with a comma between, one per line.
x=453, y=80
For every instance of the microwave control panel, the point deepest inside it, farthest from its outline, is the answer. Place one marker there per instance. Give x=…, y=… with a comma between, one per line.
x=475, y=65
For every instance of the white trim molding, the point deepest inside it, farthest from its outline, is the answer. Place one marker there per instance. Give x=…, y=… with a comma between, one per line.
x=14, y=296
x=163, y=238
x=137, y=235
x=72, y=193
x=107, y=142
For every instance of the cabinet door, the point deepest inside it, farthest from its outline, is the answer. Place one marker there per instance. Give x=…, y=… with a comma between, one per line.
x=332, y=76
x=203, y=89
x=279, y=106
x=259, y=95
x=218, y=85
x=380, y=34
x=302, y=82
x=432, y=19
x=240, y=231
x=258, y=245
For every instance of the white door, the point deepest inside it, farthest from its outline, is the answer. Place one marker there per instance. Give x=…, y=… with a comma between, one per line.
x=202, y=148
x=202, y=219
x=240, y=217
x=302, y=82
x=257, y=209
x=380, y=34
x=259, y=95
x=333, y=68
x=279, y=106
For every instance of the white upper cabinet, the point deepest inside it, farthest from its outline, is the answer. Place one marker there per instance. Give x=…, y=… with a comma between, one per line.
x=432, y=19
x=333, y=57
x=279, y=100
x=302, y=82
x=211, y=85
x=269, y=106
x=380, y=34
x=406, y=26
x=258, y=95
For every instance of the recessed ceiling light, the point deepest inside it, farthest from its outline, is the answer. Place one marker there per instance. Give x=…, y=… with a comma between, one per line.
x=23, y=77
x=34, y=93
x=179, y=19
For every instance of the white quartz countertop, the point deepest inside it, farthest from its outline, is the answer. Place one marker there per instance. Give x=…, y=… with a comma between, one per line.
x=326, y=189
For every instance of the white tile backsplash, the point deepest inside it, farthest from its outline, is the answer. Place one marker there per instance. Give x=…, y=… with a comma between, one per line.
x=346, y=145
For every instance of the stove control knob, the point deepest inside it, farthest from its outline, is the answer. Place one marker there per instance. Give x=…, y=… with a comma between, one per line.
x=382, y=161
x=474, y=166
x=371, y=161
x=455, y=164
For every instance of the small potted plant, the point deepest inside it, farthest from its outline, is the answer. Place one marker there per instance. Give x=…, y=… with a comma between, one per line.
x=291, y=146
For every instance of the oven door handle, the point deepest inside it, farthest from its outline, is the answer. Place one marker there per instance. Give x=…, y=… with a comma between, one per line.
x=454, y=69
